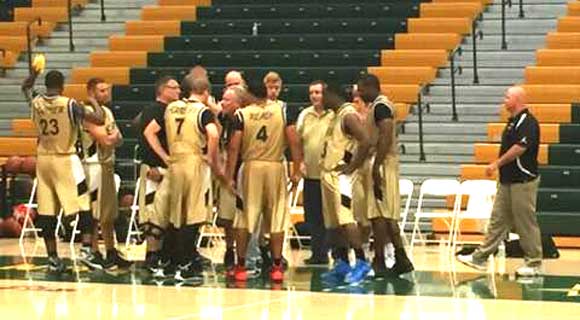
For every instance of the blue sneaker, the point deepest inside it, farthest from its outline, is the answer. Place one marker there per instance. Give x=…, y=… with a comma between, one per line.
x=358, y=273
x=340, y=270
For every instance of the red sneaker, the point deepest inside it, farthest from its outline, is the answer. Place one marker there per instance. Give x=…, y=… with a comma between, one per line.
x=277, y=273
x=240, y=274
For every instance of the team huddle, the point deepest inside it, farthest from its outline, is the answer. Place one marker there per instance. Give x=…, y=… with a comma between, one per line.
x=198, y=154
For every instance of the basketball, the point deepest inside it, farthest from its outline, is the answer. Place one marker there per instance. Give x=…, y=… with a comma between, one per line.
x=39, y=62
x=10, y=228
x=29, y=166
x=126, y=201
x=19, y=213
x=13, y=164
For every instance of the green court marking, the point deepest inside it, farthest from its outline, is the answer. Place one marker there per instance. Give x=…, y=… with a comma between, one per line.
x=420, y=283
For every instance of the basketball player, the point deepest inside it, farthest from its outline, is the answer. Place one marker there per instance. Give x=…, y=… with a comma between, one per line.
x=345, y=148
x=234, y=98
x=99, y=144
x=261, y=133
x=60, y=174
x=193, y=140
x=384, y=210
x=154, y=190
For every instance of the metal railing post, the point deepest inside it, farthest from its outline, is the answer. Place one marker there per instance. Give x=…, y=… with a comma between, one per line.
x=420, y=109
x=454, y=116
x=103, y=17
x=71, y=45
x=503, y=40
x=474, y=35
x=4, y=56
x=29, y=42
x=521, y=8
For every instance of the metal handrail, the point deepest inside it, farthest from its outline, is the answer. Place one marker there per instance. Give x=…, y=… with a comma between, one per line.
x=29, y=40
x=3, y=67
x=503, y=19
x=103, y=17
x=474, y=35
x=453, y=70
x=71, y=44
x=423, y=91
x=521, y=8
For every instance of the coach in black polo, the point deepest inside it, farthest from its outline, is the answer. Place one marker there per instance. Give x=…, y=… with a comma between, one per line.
x=515, y=202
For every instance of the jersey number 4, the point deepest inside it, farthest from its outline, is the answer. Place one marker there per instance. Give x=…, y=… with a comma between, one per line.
x=49, y=127
x=262, y=134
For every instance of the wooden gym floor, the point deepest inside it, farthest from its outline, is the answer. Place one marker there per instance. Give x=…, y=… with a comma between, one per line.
x=439, y=289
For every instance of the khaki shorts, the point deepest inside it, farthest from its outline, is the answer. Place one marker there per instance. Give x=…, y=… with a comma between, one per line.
x=103, y=191
x=336, y=199
x=154, y=199
x=360, y=201
x=191, y=192
x=61, y=184
x=389, y=206
x=263, y=190
x=227, y=209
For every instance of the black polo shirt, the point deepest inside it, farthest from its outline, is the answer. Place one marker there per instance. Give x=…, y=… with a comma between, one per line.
x=155, y=111
x=524, y=130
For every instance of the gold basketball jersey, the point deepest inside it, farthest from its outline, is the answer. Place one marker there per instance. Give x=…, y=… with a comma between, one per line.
x=55, y=123
x=338, y=145
x=374, y=129
x=263, y=132
x=88, y=144
x=107, y=153
x=182, y=126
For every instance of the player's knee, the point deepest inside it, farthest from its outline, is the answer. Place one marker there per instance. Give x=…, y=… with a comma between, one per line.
x=47, y=225
x=86, y=222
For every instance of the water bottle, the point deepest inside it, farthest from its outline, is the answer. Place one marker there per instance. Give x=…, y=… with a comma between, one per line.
x=501, y=255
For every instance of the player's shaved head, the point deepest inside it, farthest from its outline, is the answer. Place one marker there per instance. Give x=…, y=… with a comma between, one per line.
x=369, y=87
x=234, y=78
x=198, y=72
x=54, y=80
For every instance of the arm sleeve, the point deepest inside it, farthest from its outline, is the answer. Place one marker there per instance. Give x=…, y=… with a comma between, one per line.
x=382, y=112
x=76, y=111
x=528, y=134
x=238, y=124
x=205, y=117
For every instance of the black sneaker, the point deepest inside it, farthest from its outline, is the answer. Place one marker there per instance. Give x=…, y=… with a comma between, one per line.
x=380, y=268
x=265, y=255
x=402, y=264
x=199, y=259
x=93, y=260
x=56, y=265
x=115, y=261
x=188, y=272
x=156, y=267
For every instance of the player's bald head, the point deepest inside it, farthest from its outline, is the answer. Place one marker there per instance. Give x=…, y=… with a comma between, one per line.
x=234, y=78
x=195, y=85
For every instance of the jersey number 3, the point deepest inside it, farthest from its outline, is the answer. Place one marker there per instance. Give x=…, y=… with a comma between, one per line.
x=49, y=127
x=262, y=134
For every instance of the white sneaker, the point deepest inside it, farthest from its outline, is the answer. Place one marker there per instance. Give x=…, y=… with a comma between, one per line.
x=527, y=271
x=470, y=262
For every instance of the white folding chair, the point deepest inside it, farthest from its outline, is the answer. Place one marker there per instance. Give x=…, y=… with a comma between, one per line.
x=406, y=187
x=481, y=194
x=28, y=225
x=436, y=188
x=133, y=229
x=291, y=232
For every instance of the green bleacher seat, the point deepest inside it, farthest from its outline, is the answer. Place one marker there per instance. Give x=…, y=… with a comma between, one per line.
x=289, y=74
x=146, y=93
x=569, y=133
x=296, y=26
x=559, y=200
x=266, y=58
x=309, y=10
x=560, y=177
x=559, y=223
x=564, y=154
x=280, y=42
